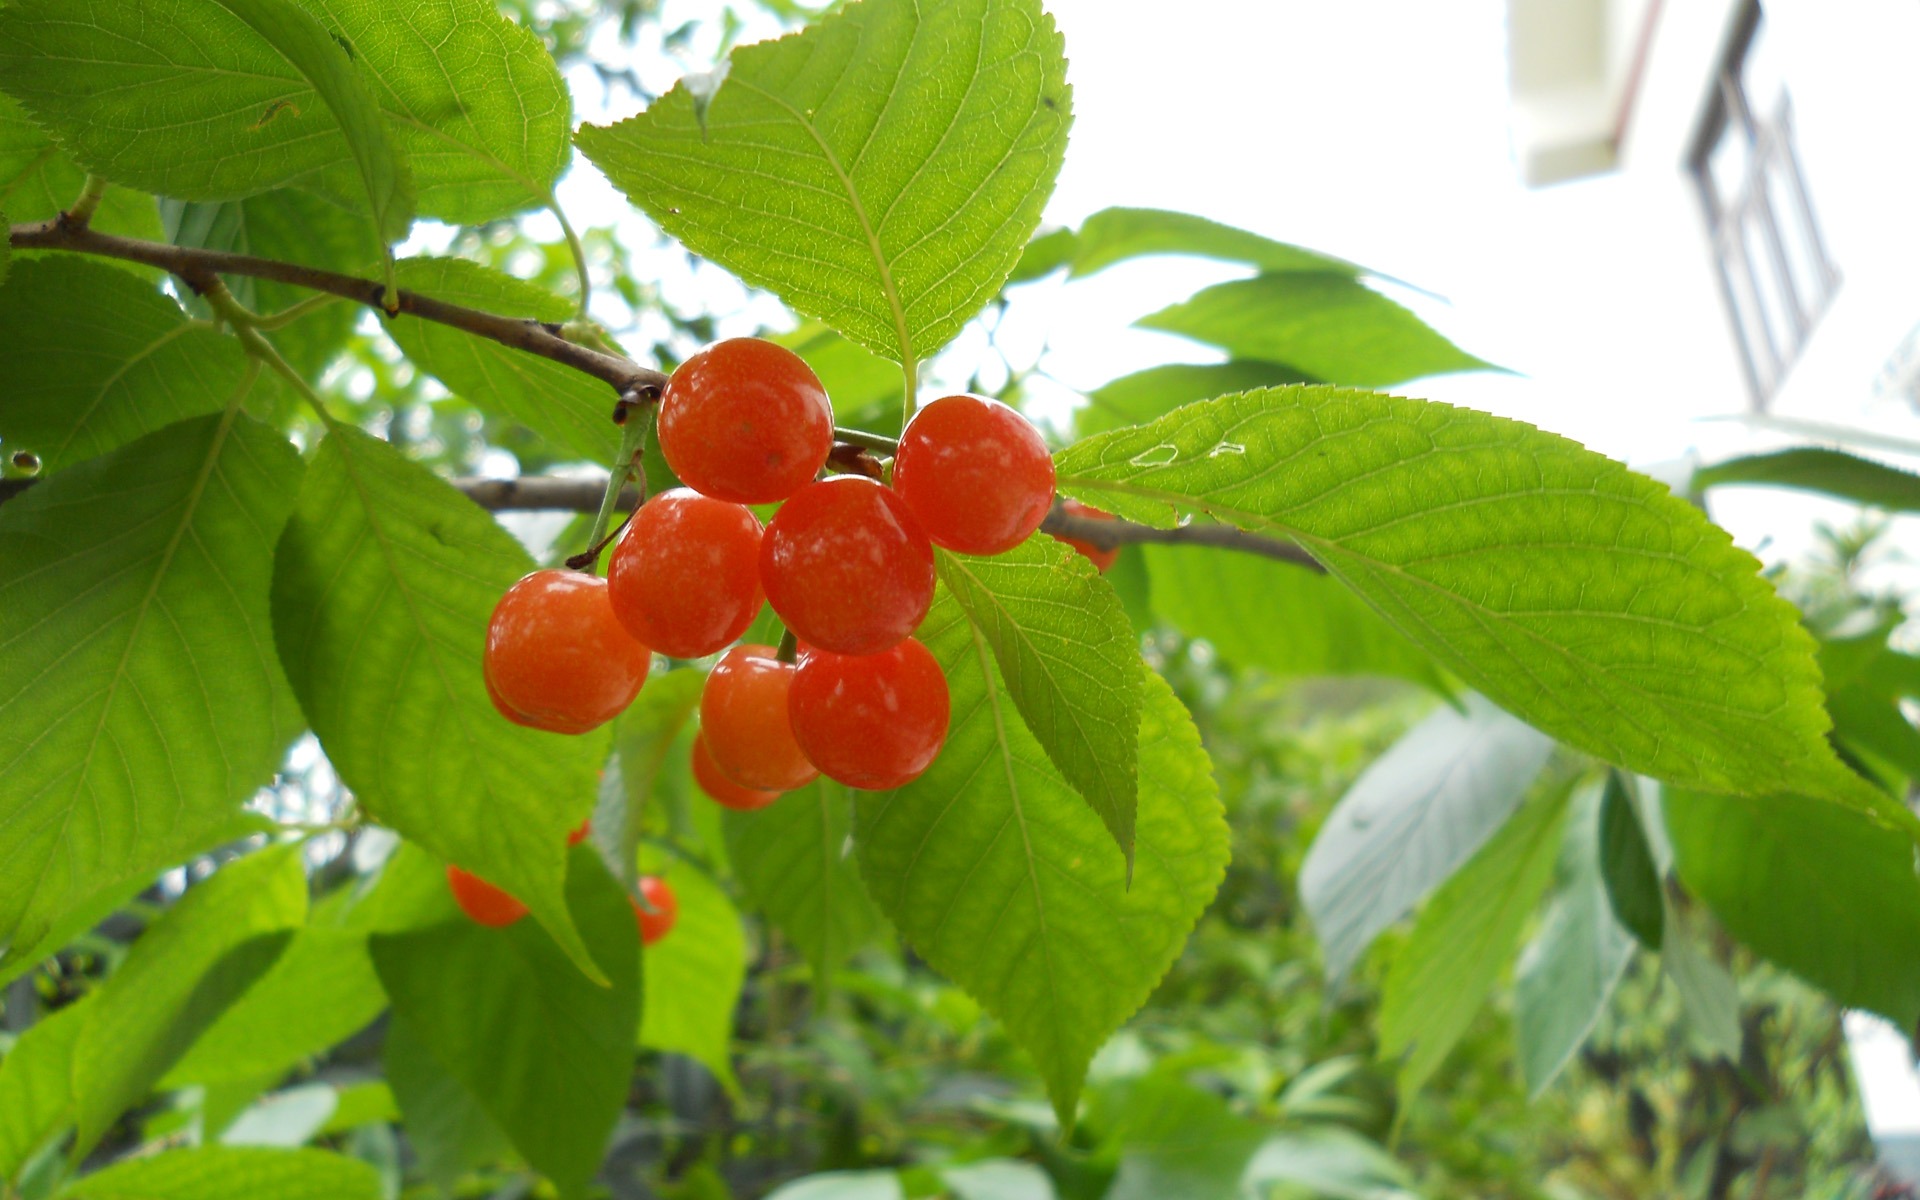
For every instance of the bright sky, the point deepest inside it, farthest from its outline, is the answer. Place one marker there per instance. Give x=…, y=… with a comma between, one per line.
x=1375, y=130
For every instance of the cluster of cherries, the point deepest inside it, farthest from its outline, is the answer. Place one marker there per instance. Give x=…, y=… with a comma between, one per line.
x=846, y=563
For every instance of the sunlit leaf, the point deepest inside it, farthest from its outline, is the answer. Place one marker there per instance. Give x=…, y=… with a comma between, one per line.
x=794, y=859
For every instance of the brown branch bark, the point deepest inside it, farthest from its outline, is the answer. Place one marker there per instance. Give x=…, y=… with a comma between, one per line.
x=546, y=493
x=196, y=266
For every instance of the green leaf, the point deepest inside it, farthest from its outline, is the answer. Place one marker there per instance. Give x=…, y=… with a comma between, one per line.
x=447, y=1128
x=201, y=99
x=1047, y=252
x=1463, y=940
x=1177, y=1140
x=1004, y=881
x=560, y=404
x=1586, y=599
x=880, y=170
x=1823, y=892
x=178, y=978
x=231, y=1173
x=321, y=991
x=288, y=225
x=1567, y=973
x=1874, y=723
x=998, y=1179
x=473, y=100
x=1818, y=469
x=38, y=181
x=1329, y=327
x=383, y=586
x=547, y=1052
x=1627, y=866
x=36, y=1086
x=643, y=738
x=1071, y=663
x=1278, y=617
x=1708, y=994
x=693, y=977
x=793, y=859
x=141, y=702
x=1331, y=1161
x=95, y=357
x=1411, y=820
x=842, y=1185
x=1117, y=234
x=1140, y=397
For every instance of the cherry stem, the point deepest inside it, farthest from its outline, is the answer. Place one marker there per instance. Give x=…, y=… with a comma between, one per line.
x=850, y=459
x=865, y=440
x=626, y=468
x=789, y=648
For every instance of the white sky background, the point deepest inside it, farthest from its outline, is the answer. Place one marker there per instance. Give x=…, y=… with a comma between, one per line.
x=1375, y=130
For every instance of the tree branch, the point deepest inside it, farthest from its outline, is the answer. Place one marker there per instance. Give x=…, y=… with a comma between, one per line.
x=195, y=266
x=549, y=493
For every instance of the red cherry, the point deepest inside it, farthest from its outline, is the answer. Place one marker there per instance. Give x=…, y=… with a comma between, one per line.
x=847, y=567
x=482, y=901
x=1098, y=556
x=556, y=656
x=975, y=473
x=743, y=718
x=581, y=834
x=745, y=420
x=725, y=792
x=685, y=578
x=872, y=721
x=666, y=910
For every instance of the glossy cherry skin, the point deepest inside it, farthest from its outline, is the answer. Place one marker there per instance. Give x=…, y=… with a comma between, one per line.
x=482, y=901
x=745, y=420
x=556, y=656
x=666, y=909
x=685, y=578
x=743, y=719
x=1101, y=558
x=872, y=721
x=725, y=792
x=847, y=566
x=976, y=474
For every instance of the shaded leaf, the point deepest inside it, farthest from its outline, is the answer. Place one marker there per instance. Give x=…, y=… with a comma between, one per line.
x=1708, y=994
x=95, y=357
x=546, y=1052
x=569, y=409
x=643, y=739
x=1464, y=939
x=36, y=1086
x=1411, y=820
x=473, y=100
x=794, y=859
x=1117, y=234
x=1071, y=663
x=1582, y=597
x=1568, y=972
x=1819, y=469
x=201, y=99
x=1279, y=617
x=447, y=1127
x=880, y=170
x=1627, y=867
x=383, y=586
x=180, y=975
x=1331, y=1161
x=1004, y=881
x=38, y=181
x=1177, y=1140
x=1329, y=327
x=693, y=976
x=142, y=702
x=1825, y=893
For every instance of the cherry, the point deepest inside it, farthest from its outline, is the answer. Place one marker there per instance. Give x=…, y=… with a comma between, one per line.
x=1098, y=556
x=975, y=473
x=482, y=901
x=725, y=792
x=556, y=656
x=743, y=719
x=685, y=578
x=847, y=567
x=581, y=834
x=666, y=910
x=871, y=721
x=745, y=420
